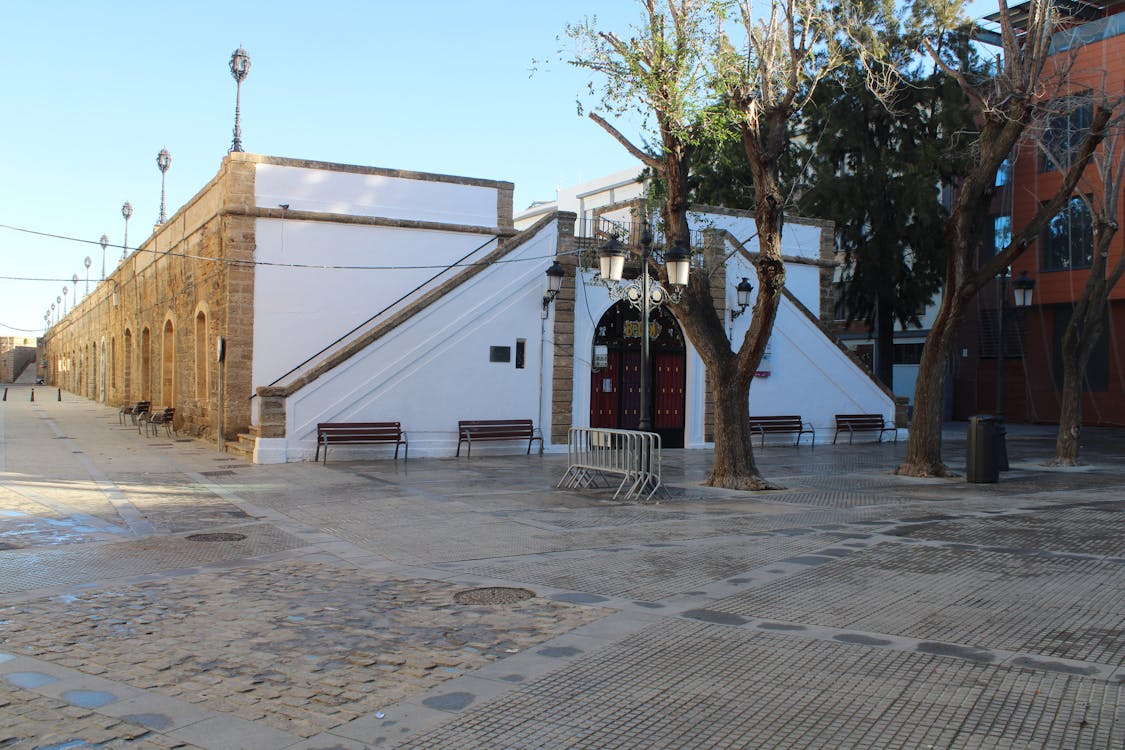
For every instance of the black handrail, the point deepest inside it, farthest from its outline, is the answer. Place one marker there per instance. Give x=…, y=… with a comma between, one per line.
x=365, y=323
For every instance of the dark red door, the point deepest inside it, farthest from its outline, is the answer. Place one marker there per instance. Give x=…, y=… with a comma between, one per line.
x=630, y=390
x=604, y=394
x=668, y=411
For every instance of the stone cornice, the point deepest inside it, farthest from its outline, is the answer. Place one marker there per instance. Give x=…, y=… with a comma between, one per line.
x=281, y=161
x=370, y=221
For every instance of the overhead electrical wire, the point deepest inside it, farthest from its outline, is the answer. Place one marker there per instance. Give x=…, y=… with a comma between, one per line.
x=275, y=264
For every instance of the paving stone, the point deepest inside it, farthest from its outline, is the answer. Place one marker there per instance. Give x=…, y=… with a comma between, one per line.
x=698, y=685
x=365, y=615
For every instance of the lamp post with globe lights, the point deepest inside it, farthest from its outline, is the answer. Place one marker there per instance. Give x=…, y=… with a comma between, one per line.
x=644, y=293
x=239, y=67
x=163, y=161
x=127, y=212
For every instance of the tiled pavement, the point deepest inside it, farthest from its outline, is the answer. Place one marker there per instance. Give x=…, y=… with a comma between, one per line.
x=156, y=594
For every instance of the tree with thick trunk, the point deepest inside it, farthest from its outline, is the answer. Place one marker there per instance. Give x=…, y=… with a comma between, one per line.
x=1006, y=102
x=1088, y=317
x=683, y=70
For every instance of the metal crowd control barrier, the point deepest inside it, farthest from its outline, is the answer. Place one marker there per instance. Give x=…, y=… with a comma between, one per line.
x=593, y=453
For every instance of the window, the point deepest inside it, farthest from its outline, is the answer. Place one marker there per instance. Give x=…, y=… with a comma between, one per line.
x=201, y=356
x=1068, y=239
x=1063, y=135
x=908, y=354
x=999, y=239
x=1004, y=173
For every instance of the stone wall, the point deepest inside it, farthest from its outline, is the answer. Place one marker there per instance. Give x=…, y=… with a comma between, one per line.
x=13, y=361
x=562, y=376
x=150, y=330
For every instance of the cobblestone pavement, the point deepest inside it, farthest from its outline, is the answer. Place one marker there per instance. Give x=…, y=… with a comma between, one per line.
x=155, y=593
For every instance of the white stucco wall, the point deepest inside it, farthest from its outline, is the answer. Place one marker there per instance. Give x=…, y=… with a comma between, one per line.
x=809, y=375
x=434, y=369
x=354, y=194
x=298, y=310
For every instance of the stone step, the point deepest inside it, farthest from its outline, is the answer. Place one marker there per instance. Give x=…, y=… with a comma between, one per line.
x=243, y=447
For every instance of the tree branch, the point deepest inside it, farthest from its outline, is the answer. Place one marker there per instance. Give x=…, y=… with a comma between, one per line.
x=647, y=159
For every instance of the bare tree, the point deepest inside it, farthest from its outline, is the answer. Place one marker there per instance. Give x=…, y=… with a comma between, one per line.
x=1007, y=102
x=683, y=70
x=1088, y=316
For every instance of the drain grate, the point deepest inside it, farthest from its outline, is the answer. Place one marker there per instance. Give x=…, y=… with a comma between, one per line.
x=493, y=595
x=217, y=536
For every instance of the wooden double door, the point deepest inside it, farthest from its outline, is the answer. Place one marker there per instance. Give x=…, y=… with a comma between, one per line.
x=615, y=389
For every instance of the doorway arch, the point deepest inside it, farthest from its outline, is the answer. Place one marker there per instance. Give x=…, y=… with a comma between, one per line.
x=168, y=364
x=615, y=398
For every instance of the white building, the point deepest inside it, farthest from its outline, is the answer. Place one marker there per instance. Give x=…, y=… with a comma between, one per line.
x=456, y=329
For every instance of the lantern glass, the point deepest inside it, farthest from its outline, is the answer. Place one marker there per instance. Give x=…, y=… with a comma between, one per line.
x=677, y=261
x=611, y=260
x=1022, y=289
x=555, y=276
x=743, y=291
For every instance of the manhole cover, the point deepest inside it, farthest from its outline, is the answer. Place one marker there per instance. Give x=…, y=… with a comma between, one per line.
x=218, y=536
x=492, y=595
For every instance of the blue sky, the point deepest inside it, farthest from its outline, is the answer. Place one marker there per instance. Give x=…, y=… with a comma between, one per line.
x=93, y=91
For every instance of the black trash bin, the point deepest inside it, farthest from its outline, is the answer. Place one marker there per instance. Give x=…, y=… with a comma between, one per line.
x=982, y=449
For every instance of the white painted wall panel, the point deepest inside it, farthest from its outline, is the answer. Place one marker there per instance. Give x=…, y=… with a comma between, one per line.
x=434, y=369
x=300, y=310
x=354, y=194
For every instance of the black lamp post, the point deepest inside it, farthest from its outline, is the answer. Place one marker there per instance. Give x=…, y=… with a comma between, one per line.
x=1001, y=348
x=127, y=212
x=163, y=161
x=1022, y=289
x=645, y=295
x=239, y=67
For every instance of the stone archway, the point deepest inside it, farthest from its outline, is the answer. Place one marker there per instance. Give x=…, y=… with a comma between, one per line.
x=168, y=365
x=615, y=398
x=146, y=365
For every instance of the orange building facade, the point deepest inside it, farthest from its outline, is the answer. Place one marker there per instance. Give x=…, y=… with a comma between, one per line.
x=1093, y=49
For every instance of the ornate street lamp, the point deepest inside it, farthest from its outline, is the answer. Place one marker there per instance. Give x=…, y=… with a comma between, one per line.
x=53, y=306
x=104, y=242
x=742, y=296
x=239, y=67
x=62, y=301
x=644, y=294
x=163, y=161
x=555, y=275
x=74, y=280
x=127, y=212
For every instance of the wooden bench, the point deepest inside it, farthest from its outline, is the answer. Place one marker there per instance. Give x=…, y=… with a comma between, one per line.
x=134, y=411
x=788, y=423
x=469, y=430
x=854, y=423
x=152, y=420
x=356, y=433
